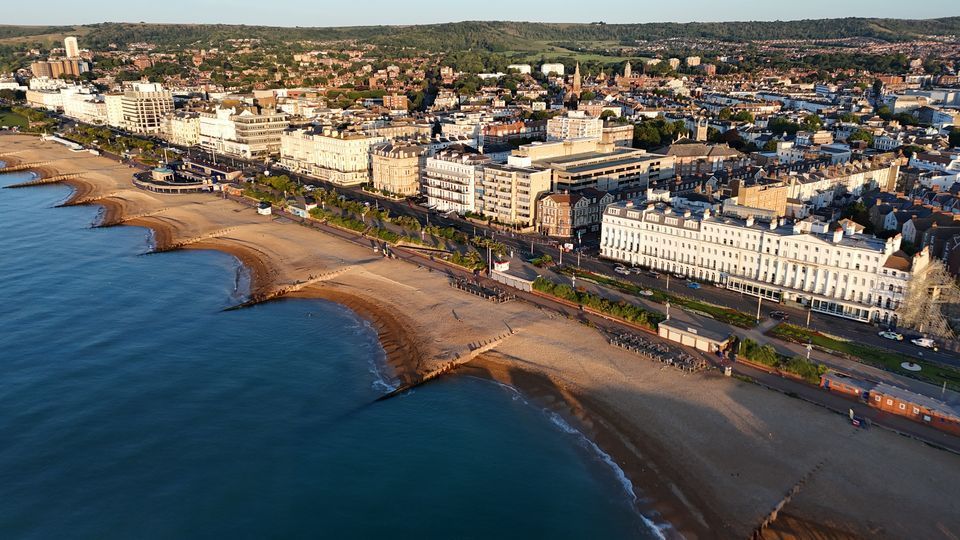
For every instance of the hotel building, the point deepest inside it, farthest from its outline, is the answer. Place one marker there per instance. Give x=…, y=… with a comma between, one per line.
x=830, y=269
x=396, y=167
x=335, y=156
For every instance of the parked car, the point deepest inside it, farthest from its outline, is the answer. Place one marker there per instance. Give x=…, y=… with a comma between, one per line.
x=693, y=285
x=636, y=270
x=779, y=315
x=645, y=292
x=887, y=334
x=926, y=343
x=653, y=274
x=622, y=270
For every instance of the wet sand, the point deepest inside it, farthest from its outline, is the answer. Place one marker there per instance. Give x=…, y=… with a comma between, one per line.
x=712, y=456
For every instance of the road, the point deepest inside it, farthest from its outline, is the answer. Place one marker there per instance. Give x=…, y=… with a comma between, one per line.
x=785, y=385
x=537, y=245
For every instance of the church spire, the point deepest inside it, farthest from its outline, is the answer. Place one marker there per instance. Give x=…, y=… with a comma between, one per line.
x=577, y=81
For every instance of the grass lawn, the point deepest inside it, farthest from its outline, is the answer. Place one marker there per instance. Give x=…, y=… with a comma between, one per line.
x=722, y=314
x=11, y=119
x=874, y=356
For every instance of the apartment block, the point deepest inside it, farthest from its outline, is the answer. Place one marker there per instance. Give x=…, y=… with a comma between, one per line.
x=453, y=180
x=510, y=192
x=145, y=106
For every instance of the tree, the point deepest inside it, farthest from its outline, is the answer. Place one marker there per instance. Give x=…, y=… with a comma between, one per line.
x=587, y=95
x=861, y=135
x=725, y=113
x=955, y=137
x=606, y=115
x=770, y=146
x=782, y=125
x=811, y=122
x=743, y=116
x=885, y=113
x=859, y=213
x=931, y=291
x=645, y=136
x=849, y=117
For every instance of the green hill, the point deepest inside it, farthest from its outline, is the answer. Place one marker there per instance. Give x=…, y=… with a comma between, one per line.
x=503, y=35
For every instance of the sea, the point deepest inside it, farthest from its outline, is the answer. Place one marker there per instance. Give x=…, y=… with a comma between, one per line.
x=133, y=406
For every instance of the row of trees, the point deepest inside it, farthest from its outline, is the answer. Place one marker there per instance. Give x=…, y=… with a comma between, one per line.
x=623, y=310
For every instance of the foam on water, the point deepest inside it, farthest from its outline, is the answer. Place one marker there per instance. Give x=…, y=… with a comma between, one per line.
x=133, y=407
x=586, y=442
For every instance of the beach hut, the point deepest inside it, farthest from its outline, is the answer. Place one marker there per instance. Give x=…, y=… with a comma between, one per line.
x=265, y=208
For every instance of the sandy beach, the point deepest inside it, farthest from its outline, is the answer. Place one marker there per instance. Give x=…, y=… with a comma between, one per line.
x=711, y=456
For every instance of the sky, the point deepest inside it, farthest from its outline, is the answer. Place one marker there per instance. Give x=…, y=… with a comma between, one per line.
x=371, y=12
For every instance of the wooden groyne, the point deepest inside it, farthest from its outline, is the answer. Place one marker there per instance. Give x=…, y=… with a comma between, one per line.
x=296, y=287
x=184, y=243
x=476, y=349
x=42, y=181
x=123, y=219
x=24, y=166
x=772, y=516
x=83, y=201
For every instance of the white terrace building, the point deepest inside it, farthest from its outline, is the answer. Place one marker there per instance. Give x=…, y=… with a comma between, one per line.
x=839, y=272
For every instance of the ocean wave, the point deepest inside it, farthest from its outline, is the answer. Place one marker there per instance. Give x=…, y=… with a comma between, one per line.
x=558, y=421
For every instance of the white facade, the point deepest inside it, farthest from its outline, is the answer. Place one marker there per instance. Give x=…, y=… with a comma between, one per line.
x=574, y=125
x=838, y=272
x=83, y=105
x=341, y=158
x=854, y=178
x=52, y=100
x=451, y=181
x=145, y=105
x=521, y=68
x=71, y=47
x=183, y=129
x=114, y=103
x=547, y=69
x=246, y=134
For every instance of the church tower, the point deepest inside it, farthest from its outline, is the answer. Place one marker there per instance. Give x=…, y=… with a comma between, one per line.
x=577, y=81
x=701, y=133
x=628, y=71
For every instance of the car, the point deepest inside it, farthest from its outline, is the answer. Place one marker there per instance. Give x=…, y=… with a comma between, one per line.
x=622, y=270
x=779, y=315
x=693, y=285
x=636, y=270
x=926, y=343
x=653, y=274
x=887, y=334
x=645, y=292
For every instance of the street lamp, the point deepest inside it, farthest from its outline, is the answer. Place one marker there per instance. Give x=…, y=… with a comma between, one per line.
x=759, y=303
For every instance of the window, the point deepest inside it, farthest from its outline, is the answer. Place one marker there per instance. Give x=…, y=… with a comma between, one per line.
x=916, y=410
x=903, y=407
x=889, y=402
